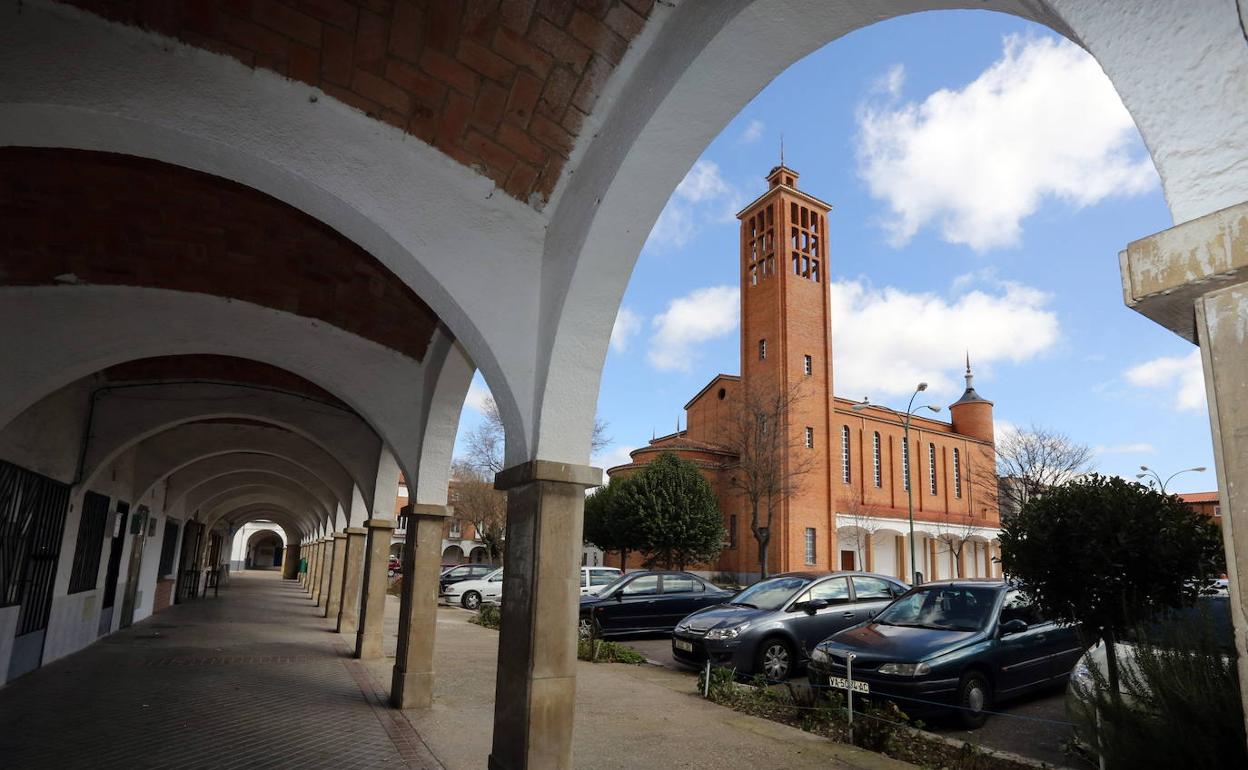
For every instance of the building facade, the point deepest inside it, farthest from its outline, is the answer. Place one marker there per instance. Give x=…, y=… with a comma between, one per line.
x=853, y=474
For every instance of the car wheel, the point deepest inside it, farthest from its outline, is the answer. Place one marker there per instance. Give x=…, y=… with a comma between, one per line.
x=471, y=600
x=774, y=660
x=974, y=699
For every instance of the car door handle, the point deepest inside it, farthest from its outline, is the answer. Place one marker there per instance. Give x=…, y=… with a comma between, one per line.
x=847, y=614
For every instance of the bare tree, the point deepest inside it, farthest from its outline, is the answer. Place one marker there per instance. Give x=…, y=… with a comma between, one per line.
x=486, y=442
x=477, y=501
x=865, y=526
x=953, y=530
x=770, y=458
x=1028, y=462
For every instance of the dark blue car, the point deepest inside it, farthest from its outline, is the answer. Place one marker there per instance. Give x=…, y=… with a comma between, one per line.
x=951, y=646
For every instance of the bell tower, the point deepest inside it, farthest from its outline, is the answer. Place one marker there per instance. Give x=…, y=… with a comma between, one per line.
x=786, y=328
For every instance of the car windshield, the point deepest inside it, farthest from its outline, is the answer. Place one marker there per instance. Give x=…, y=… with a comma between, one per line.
x=1209, y=618
x=612, y=586
x=948, y=608
x=770, y=594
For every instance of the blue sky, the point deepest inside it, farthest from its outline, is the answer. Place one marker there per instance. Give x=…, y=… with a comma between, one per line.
x=984, y=177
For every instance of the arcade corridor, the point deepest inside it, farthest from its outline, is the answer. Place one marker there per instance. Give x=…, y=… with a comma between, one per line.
x=251, y=678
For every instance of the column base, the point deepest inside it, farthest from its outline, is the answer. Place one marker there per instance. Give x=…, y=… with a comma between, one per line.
x=411, y=690
x=367, y=646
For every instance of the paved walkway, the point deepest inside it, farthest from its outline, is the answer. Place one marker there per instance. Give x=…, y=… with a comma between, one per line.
x=249, y=679
x=254, y=679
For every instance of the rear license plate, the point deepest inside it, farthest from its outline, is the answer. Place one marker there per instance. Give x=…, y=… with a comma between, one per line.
x=841, y=683
x=681, y=644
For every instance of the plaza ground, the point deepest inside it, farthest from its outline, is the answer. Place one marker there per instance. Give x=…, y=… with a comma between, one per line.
x=255, y=678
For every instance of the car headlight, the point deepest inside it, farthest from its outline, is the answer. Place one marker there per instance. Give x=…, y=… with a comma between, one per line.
x=732, y=632
x=1081, y=677
x=906, y=669
x=818, y=655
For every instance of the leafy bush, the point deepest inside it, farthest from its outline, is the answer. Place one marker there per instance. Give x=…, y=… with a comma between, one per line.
x=1180, y=703
x=598, y=651
x=488, y=616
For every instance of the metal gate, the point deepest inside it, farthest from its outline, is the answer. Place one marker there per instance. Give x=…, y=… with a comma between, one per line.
x=32, y=516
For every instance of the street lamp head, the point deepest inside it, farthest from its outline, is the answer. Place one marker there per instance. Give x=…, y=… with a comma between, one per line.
x=1144, y=467
x=1140, y=475
x=933, y=407
x=1201, y=469
x=922, y=387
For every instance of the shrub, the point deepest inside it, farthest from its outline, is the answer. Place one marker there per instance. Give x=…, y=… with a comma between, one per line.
x=488, y=616
x=598, y=651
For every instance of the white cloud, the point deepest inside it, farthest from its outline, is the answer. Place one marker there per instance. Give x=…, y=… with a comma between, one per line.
x=700, y=316
x=753, y=132
x=1138, y=448
x=1041, y=122
x=1183, y=374
x=886, y=340
x=890, y=82
x=627, y=324
x=616, y=455
x=477, y=394
x=702, y=195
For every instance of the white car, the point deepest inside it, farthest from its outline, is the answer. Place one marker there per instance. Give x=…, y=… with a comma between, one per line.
x=470, y=593
x=594, y=579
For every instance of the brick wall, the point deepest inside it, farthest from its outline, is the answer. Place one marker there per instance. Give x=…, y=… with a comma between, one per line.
x=162, y=598
x=502, y=86
x=119, y=220
x=216, y=368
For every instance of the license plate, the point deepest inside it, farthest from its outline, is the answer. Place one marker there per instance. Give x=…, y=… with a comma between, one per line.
x=681, y=644
x=841, y=683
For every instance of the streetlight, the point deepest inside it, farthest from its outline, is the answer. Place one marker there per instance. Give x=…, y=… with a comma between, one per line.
x=1147, y=471
x=905, y=426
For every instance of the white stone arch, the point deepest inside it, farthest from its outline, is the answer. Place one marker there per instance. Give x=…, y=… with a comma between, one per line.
x=123, y=416
x=258, y=497
x=448, y=377
x=256, y=536
x=452, y=554
x=686, y=78
x=294, y=531
x=164, y=454
x=67, y=333
x=200, y=496
x=177, y=484
x=470, y=252
x=888, y=547
x=854, y=538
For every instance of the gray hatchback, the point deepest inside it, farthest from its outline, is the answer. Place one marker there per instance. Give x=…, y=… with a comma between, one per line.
x=770, y=627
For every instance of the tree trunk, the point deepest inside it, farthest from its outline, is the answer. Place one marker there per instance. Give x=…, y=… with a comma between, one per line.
x=1111, y=665
x=762, y=556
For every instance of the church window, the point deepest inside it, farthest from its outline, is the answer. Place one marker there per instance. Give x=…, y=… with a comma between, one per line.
x=875, y=450
x=810, y=545
x=957, y=474
x=732, y=531
x=809, y=365
x=845, y=453
x=762, y=350
x=810, y=437
x=797, y=263
x=814, y=270
x=905, y=466
x=754, y=275
x=931, y=467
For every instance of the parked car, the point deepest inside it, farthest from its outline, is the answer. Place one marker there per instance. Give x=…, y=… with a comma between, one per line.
x=770, y=627
x=395, y=567
x=594, y=579
x=463, y=572
x=470, y=593
x=646, y=601
x=956, y=645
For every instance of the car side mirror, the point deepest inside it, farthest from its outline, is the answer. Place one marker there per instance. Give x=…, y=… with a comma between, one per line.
x=1013, y=626
x=618, y=596
x=814, y=605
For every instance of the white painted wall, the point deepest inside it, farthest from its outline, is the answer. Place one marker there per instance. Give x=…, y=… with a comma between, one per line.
x=8, y=627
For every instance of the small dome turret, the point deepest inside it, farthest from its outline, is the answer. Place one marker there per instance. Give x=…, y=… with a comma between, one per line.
x=972, y=414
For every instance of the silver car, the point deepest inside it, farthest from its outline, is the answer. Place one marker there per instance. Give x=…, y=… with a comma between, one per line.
x=770, y=627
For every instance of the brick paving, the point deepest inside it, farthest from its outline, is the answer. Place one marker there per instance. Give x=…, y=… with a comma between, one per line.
x=250, y=679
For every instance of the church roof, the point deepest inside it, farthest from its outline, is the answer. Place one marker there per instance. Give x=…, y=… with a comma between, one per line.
x=969, y=396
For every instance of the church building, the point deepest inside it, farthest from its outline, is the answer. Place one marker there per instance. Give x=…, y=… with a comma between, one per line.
x=849, y=506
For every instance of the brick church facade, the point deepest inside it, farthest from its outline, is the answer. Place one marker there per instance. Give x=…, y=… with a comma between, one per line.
x=849, y=508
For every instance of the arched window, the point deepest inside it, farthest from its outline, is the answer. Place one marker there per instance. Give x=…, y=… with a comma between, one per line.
x=875, y=451
x=845, y=453
x=957, y=474
x=931, y=467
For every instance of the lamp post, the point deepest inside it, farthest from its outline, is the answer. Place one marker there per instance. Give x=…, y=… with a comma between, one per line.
x=1147, y=471
x=905, y=429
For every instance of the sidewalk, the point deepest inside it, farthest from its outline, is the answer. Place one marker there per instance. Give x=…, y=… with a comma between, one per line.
x=254, y=678
x=626, y=716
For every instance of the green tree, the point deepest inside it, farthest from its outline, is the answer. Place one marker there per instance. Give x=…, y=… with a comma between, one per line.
x=675, y=512
x=608, y=524
x=1108, y=554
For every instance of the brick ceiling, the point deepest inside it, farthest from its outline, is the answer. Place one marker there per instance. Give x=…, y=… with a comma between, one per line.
x=98, y=218
x=502, y=86
x=211, y=368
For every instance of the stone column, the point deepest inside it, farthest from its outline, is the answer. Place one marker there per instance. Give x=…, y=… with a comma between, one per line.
x=412, y=683
x=1222, y=325
x=352, y=579
x=290, y=562
x=338, y=561
x=320, y=571
x=373, y=595
x=327, y=571
x=535, y=689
